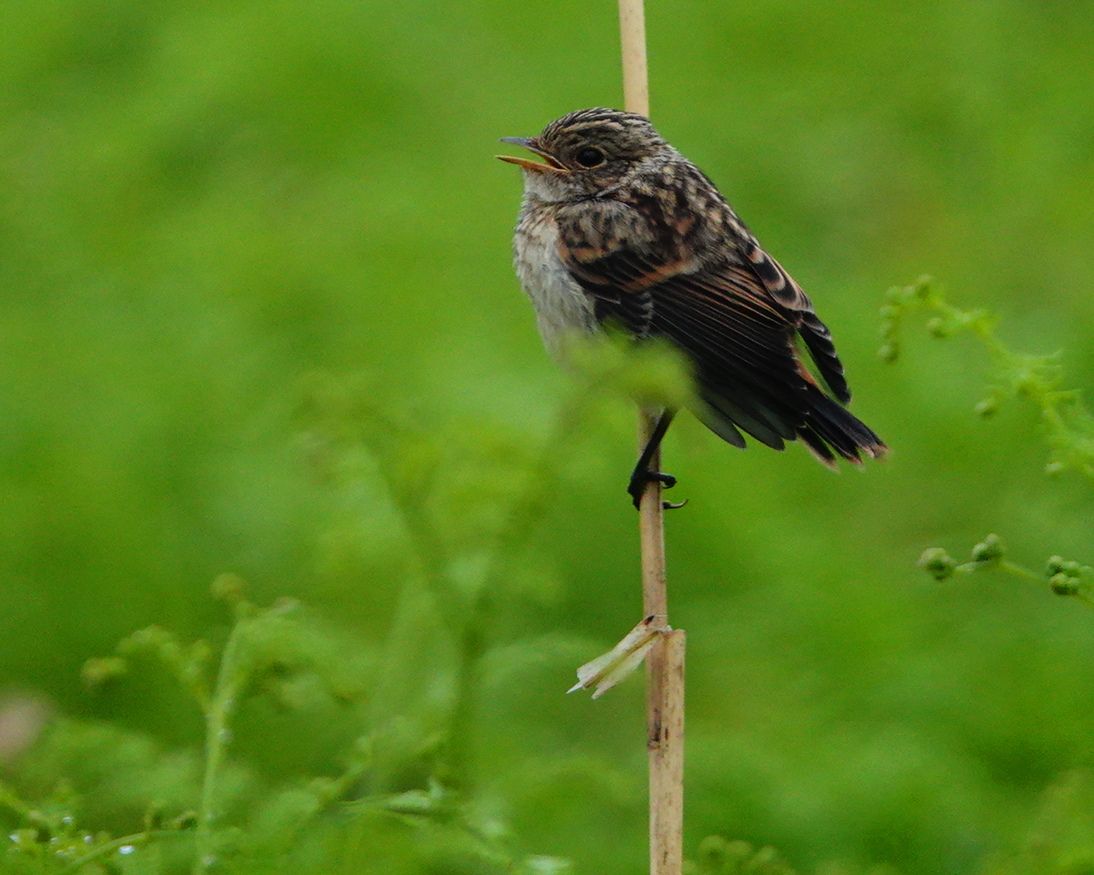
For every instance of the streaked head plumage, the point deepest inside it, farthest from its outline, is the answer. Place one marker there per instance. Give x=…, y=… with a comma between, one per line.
x=587, y=150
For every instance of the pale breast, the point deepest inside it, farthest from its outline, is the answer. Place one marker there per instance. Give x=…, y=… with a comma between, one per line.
x=561, y=306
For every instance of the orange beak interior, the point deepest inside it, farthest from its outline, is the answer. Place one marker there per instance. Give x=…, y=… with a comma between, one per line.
x=548, y=165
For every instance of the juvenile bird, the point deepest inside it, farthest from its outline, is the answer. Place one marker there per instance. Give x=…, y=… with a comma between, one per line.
x=618, y=226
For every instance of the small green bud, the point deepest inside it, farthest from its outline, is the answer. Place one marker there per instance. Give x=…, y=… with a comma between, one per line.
x=1054, y=468
x=154, y=816
x=736, y=853
x=766, y=862
x=987, y=407
x=889, y=311
x=186, y=820
x=228, y=588
x=937, y=327
x=1072, y=568
x=888, y=352
x=712, y=852
x=98, y=671
x=923, y=286
x=1062, y=584
x=989, y=550
x=1054, y=565
x=154, y=638
x=937, y=563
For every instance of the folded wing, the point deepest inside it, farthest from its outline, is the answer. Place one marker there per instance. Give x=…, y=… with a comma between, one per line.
x=739, y=322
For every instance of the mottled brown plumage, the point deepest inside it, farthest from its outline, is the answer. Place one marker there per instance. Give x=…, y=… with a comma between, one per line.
x=617, y=225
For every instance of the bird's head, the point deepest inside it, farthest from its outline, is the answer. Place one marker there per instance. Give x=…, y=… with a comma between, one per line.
x=586, y=152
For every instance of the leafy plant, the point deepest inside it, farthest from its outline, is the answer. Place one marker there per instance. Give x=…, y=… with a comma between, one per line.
x=1064, y=577
x=1068, y=423
x=465, y=506
x=212, y=812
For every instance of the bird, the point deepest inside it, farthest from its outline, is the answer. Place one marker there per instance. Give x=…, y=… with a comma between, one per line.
x=618, y=227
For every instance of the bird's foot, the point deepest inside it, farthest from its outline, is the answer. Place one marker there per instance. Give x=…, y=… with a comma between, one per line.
x=641, y=477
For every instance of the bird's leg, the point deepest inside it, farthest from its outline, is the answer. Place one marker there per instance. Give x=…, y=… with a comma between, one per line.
x=641, y=475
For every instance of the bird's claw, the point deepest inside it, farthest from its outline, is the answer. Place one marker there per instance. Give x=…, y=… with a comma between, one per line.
x=637, y=487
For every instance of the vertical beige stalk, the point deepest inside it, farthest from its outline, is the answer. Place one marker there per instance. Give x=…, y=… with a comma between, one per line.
x=636, y=80
x=665, y=663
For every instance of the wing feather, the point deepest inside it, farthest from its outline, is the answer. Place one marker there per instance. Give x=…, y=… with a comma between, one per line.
x=788, y=294
x=737, y=321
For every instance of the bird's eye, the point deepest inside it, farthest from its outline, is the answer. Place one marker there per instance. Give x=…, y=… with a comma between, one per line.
x=590, y=157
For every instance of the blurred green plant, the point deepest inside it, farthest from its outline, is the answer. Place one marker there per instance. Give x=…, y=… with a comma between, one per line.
x=1064, y=577
x=202, y=200
x=207, y=812
x=467, y=498
x=719, y=856
x=467, y=501
x=1068, y=423
x=404, y=797
x=1060, y=841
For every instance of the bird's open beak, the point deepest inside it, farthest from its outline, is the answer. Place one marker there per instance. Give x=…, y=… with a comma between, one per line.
x=548, y=165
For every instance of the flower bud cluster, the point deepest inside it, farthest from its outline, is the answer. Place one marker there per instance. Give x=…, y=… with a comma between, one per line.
x=897, y=300
x=937, y=563
x=718, y=856
x=1064, y=575
x=990, y=550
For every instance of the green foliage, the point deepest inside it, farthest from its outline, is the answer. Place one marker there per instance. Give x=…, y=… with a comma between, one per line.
x=720, y=857
x=110, y=800
x=212, y=813
x=206, y=211
x=1063, y=577
x=234, y=820
x=1060, y=842
x=1068, y=423
x=1061, y=838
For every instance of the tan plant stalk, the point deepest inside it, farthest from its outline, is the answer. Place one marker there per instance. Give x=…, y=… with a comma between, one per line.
x=665, y=663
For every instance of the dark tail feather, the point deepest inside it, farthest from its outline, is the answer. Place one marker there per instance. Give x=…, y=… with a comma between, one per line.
x=717, y=406
x=720, y=424
x=829, y=430
x=832, y=427
x=816, y=445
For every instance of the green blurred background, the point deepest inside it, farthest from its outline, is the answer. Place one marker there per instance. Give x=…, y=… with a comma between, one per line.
x=205, y=205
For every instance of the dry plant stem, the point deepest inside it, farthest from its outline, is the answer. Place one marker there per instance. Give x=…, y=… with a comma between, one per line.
x=665, y=663
x=651, y=531
x=636, y=82
x=664, y=682
x=665, y=704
